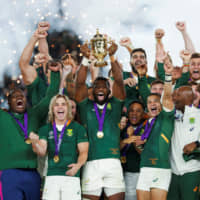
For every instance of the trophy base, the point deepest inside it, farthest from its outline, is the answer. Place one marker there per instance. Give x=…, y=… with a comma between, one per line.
x=100, y=63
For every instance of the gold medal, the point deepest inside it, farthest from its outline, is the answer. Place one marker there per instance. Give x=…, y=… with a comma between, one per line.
x=28, y=141
x=56, y=158
x=100, y=134
x=123, y=159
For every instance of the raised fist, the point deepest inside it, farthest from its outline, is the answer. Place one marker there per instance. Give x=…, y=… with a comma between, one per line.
x=181, y=26
x=40, y=33
x=44, y=24
x=159, y=33
x=125, y=41
x=185, y=56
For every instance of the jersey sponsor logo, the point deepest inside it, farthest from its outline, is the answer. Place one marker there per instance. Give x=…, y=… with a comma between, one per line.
x=153, y=160
x=155, y=180
x=114, y=151
x=69, y=132
x=192, y=120
x=87, y=181
x=51, y=136
x=191, y=129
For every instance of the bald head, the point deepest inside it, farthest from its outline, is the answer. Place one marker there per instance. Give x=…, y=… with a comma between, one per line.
x=183, y=96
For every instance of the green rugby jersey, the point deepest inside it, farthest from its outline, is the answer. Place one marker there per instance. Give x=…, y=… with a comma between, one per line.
x=108, y=146
x=156, y=149
x=74, y=134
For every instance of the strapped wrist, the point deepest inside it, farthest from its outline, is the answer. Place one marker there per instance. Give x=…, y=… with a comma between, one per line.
x=168, y=77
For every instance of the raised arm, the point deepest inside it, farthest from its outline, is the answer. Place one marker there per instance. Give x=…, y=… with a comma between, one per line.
x=81, y=89
x=68, y=71
x=185, y=56
x=126, y=42
x=160, y=51
x=43, y=45
x=118, y=89
x=28, y=72
x=167, y=101
x=93, y=70
x=181, y=26
x=40, y=110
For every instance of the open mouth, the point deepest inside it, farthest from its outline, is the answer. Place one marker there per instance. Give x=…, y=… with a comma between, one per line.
x=138, y=62
x=134, y=118
x=60, y=114
x=20, y=103
x=196, y=72
x=100, y=96
x=154, y=110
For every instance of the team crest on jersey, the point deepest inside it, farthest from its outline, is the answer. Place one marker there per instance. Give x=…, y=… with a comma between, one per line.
x=51, y=136
x=192, y=120
x=69, y=132
x=109, y=106
x=142, y=131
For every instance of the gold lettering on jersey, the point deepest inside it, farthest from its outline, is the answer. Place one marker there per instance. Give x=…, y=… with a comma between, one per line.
x=153, y=160
x=165, y=138
x=114, y=151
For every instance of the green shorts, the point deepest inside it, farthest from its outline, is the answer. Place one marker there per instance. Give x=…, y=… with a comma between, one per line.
x=185, y=187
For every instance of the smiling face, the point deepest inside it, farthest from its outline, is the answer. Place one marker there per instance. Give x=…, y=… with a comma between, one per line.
x=195, y=68
x=137, y=58
x=153, y=105
x=17, y=101
x=135, y=113
x=60, y=110
x=101, y=91
x=157, y=88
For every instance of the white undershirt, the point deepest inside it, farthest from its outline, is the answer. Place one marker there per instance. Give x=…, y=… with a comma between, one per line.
x=101, y=106
x=59, y=127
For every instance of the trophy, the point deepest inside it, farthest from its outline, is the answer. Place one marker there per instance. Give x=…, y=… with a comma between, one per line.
x=99, y=49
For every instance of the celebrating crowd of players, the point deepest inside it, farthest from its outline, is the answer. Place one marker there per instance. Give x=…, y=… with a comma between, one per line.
x=129, y=136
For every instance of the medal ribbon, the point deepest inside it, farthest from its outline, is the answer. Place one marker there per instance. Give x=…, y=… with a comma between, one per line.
x=147, y=129
x=58, y=141
x=100, y=119
x=127, y=146
x=25, y=127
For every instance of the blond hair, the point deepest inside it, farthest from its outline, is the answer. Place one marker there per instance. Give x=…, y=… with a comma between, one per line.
x=51, y=116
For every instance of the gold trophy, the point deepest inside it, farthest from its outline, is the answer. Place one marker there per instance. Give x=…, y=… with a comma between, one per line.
x=99, y=49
